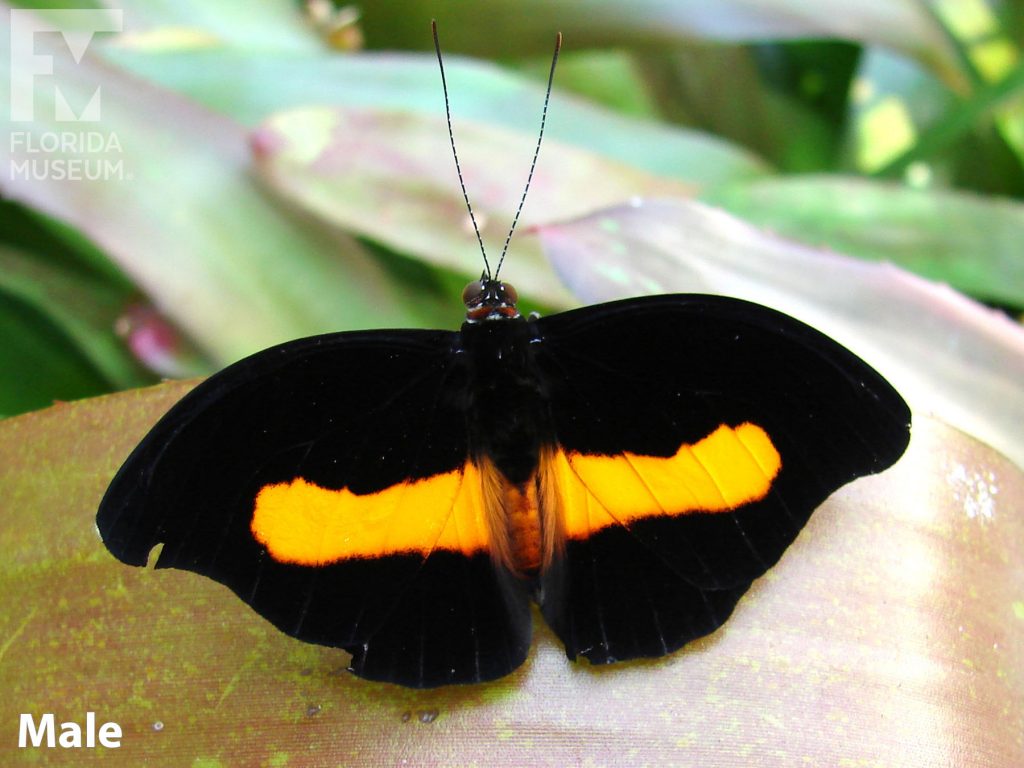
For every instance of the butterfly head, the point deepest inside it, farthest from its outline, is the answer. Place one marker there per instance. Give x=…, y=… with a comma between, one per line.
x=488, y=299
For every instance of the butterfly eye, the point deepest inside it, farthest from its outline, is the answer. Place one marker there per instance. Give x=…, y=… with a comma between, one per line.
x=508, y=294
x=473, y=294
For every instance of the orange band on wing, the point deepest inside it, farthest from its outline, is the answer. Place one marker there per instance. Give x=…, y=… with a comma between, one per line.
x=727, y=469
x=300, y=522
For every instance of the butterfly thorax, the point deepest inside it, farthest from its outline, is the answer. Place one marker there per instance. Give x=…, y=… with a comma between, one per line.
x=509, y=428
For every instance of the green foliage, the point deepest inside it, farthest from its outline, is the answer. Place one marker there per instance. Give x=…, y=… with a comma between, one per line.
x=282, y=180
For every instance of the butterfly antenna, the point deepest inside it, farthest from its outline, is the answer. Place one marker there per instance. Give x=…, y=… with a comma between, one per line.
x=451, y=138
x=536, y=152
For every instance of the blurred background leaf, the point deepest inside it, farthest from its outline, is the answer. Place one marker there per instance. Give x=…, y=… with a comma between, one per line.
x=283, y=170
x=289, y=174
x=967, y=240
x=943, y=352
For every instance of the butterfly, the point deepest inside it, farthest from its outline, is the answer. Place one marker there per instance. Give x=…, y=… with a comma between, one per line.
x=631, y=467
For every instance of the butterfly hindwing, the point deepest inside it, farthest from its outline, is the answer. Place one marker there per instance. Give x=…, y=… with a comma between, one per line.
x=695, y=436
x=327, y=482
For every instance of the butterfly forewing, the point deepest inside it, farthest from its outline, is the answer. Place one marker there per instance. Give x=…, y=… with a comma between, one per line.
x=695, y=436
x=325, y=482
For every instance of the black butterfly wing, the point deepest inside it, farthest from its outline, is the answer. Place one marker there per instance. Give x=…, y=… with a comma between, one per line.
x=749, y=416
x=355, y=435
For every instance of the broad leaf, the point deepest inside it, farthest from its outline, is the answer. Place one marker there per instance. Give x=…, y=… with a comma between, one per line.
x=249, y=87
x=971, y=242
x=903, y=25
x=390, y=177
x=173, y=205
x=902, y=590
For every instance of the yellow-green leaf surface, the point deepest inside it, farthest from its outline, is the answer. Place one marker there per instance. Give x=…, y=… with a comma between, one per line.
x=891, y=633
